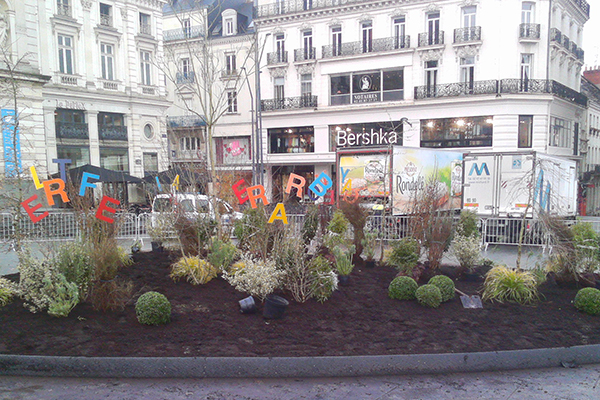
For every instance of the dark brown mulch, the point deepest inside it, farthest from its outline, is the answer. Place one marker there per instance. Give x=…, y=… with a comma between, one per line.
x=359, y=319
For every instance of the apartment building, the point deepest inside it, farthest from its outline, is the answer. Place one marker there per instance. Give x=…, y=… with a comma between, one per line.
x=590, y=168
x=469, y=75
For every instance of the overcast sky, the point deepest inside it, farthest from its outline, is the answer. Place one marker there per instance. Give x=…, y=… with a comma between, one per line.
x=591, y=35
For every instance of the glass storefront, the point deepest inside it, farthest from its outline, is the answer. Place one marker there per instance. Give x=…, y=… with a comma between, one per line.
x=291, y=140
x=457, y=132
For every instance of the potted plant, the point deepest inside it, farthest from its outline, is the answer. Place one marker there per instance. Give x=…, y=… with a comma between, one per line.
x=369, y=243
x=343, y=262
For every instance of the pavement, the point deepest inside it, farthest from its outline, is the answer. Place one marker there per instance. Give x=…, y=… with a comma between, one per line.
x=581, y=383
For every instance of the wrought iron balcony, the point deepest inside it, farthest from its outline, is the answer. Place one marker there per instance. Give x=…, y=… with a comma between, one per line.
x=185, y=77
x=529, y=31
x=294, y=6
x=146, y=29
x=456, y=89
x=579, y=53
x=373, y=46
x=278, y=57
x=566, y=42
x=431, y=38
x=111, y=132
x=305, y=54
x=185, y=121
x=289, y=103
x=64, y=10
x=106, y=20
x=570, y=46
x=230, y=74
x=71, y=130
x=470, y=34
x=555, y=35
x=502, y=86
x=182, y=33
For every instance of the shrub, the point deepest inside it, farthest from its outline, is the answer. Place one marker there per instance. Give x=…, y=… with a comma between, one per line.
x=403, y=288
x=112, y=294
x=310, y=225
x=257, y=278
x=31, y=283
x=221, y=254
x=588, y=301
x=254, y=234
x=153, y=308
x=64, y=295
x=339, y=223
x=467, y=250
x=429, y=296
x=343, y=259
x=404, y=255
x=446, y=286
x=194, y=270
x=369, y=243
x=7, y=290
x=467, y=224
x=512, y=285
x=74, y=261
x=325, y=280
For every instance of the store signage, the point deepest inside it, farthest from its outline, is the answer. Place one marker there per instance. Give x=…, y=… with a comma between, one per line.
x=70, y=104
x=368, y=138
x=366, y=97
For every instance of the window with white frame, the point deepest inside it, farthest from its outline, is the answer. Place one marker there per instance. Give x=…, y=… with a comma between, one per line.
x=187, y=28
x=189, y=143
x=280, y=48
x=230, y=64
x=107, y=59
x=307, y=45
x=560, y=132
x=278, y=88
x=106, y=15
x=433, y=28
x=367, y=36
x=185, y=74
x=229, y=29
x=63, y=8
x=229, y=21
x=469, y=14
x=65, y=54
x=431, y=72
x=399, y=32
x=526, y=64
x=145, y=67
x=145, y=26
x=306, y=85
x=467, y=73
x=527, y=12
x=232, y=101
x=336, y=40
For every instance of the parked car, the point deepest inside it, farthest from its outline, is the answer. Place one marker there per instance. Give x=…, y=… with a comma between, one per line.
x=193, y=206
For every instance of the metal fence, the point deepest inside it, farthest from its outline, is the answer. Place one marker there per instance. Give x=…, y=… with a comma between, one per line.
x=59, y=226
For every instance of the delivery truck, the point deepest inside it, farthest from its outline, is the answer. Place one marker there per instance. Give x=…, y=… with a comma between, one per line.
x=517, y=184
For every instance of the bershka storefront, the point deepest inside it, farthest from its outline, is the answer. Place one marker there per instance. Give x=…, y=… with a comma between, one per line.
x=365, y=135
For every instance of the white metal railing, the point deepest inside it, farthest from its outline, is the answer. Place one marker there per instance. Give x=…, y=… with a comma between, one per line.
x=64, y=225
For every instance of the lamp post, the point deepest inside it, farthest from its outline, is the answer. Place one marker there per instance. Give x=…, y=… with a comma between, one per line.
x=258, y=110
x=255, y=166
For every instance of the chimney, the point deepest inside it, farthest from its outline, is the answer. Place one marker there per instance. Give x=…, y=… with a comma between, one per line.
x=593, y=75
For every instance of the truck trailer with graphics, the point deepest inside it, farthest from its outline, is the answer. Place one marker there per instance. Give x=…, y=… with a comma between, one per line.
x=514, y=184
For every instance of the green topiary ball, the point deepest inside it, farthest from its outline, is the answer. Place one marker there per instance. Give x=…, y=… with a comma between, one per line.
x=153, y=308
x=429, y=295
x=588, y=301
x=403, y=288
x=446, y=286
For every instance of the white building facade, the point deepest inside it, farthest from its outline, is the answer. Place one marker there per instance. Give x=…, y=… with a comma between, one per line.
x=470, y=75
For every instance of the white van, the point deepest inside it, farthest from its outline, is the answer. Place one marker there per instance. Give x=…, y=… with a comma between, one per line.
x=192, y=206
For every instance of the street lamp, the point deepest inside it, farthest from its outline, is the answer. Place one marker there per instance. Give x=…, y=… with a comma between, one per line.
x=255, y=166
x=258, y=110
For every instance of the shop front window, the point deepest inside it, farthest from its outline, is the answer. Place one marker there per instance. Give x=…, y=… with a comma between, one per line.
x=79, y=155
x=457, y=132
x=292, y=140
x=114, y=158
x=367, y=87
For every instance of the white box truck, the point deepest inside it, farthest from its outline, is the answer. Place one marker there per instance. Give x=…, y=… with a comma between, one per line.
x=514, y=183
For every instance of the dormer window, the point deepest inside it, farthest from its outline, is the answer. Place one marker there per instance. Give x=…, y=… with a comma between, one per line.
x=229, y=22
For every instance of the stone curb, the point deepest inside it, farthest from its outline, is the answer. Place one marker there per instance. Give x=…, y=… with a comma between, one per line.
x=293, y=367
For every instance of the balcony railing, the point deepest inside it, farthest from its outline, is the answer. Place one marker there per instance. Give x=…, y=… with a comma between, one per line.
x=181, y=33
x=146, y=29
x=555, y=35
x=68, y=80
x=566, y=42
x=563, y=40
x=529, y=31
x=470, y=34
x=431, y=38
x=110, y=85
x=278, y=57
x=374, y=46
x=71, y=130
x=293, y=6
x=289, y=103
x=106, y=20
x=64, y=10
x=111, y=132
x=502, y=86
x=229, y=74
x=185, y=77
x=304, y=54
x=579, y=53
x=185, y=121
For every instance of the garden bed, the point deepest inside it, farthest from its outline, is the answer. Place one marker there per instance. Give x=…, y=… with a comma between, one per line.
x=359, y=319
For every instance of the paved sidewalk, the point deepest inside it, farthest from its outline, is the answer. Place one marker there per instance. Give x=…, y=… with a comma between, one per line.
x=581, y=383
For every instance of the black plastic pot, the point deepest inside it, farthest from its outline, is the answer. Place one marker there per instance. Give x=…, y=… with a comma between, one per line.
x=344, y=280
x=247, y=305
x=274, y=307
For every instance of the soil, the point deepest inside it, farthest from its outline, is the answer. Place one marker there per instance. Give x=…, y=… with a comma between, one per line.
x=359, y=319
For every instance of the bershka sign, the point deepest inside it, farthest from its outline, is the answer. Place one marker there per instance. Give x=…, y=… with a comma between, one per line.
x=372, y=137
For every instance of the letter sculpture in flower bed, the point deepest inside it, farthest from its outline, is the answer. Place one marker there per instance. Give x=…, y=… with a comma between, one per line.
x=153, y=308
x=588, y=301
x=403, y=288
x=429, y=296
x=446, y=286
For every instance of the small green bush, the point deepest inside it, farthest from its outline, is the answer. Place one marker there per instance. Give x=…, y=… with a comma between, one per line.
x=222, y=254
x=467, y=224
x=446, y=286
x=74, y=261
x=404, y=255
x=512, y=285
x=7, y=290
x=194, y=269
x=403, y=288
x=339, y=223
x=325, y=279
x=588, y=301
x=153, y=308
x=429, y=296
x=63, y=295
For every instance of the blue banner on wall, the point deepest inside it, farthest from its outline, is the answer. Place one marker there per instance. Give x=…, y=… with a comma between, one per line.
x=12, y=143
